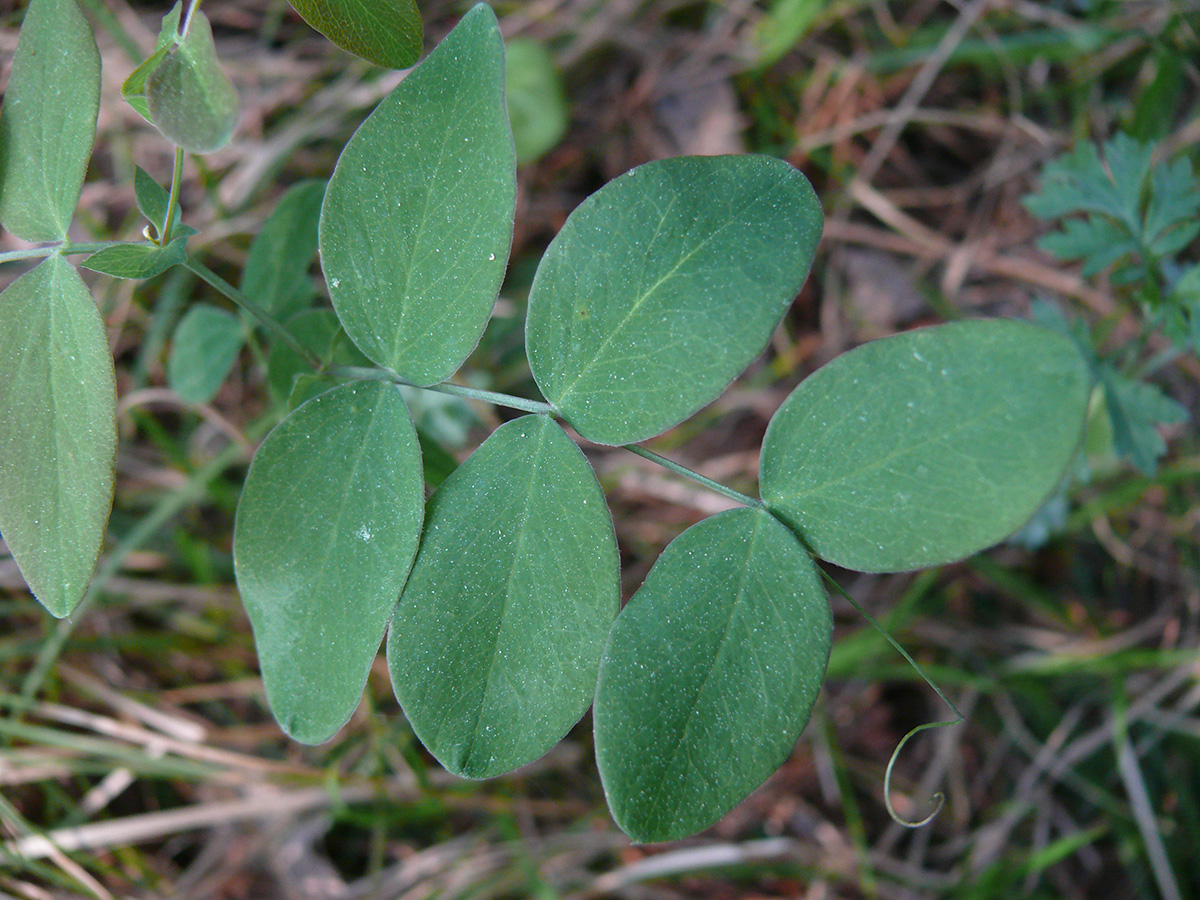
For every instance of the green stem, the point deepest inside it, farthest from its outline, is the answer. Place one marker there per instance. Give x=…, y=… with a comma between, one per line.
x=215, y=281
x=678, y=469
x=64, y=248
x=457, y=390
x=164, y=233
x=939, y=799
x=13, y=255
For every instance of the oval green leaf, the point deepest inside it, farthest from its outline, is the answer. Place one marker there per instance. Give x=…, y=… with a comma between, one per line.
x=663, y=286
x=140, y=260
x=276, y=272
x=494, y=646
x=418, y=216
x=206, y=344
x=58, y=434
x=326, y=531
x=191, y=101
x=709, y=675
x=537, y=104
x=385, y=32
x=928, y=446
x=48, y=121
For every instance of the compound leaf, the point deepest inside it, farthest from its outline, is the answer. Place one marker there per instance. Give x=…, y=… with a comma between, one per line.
x=326, y=531
x=418, y=216
x=276, y=272
x=927, y=446
x=57, y=431
x=663, y=286
x=709, y=674
x=191, y=101
x=206, y=345
x=48, y=121
x=496, y=641
x=385, y=32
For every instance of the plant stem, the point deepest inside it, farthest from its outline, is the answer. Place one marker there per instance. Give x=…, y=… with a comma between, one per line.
x=164, y=233
x=13, y=255
x=457, y=390
x=271, y=324
x=64, y=248
x=678, y=469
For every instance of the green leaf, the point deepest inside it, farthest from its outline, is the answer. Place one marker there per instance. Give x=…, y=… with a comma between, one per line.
x=663, y=286
x=418, y=216
x=141, y=260
x=134, y=87
x=1174, y=200
x=205, y=346
x=314, y=329
x=709, y=675
x=58, y=434
x=1080, y=182
x=326, y=531
x=191, y=101
x=783, y=26
x=1136, y=409
x=319, y=331
x=276, y=272
x=537, y=105
x=436, y=460
x=927, y=446
x=385, y=32
x=152, y=200
x=1097, y=241
x=48, y=121
x=496, y=641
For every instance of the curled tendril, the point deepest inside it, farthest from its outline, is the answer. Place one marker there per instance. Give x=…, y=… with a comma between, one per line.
x=938, y=799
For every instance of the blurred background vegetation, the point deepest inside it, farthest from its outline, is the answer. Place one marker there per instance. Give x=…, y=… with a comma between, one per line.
x=137, y=740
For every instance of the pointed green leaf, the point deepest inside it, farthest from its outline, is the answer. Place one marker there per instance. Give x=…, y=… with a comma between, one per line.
x=58, y=434
x=385, y=32
x=537, y=104
x=191, y=101
x=134, y=87
x=276, y=272
x=709, y=675
x=206, y=344
x=141, y=260
x=326, y=530
x=152, y=200
x=418, y=216
x=48, y=121
x=494, y=646
x=663, y=286
x=927, y=446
